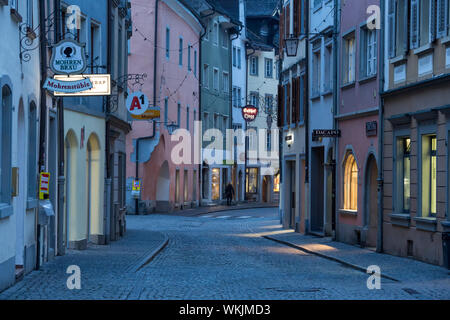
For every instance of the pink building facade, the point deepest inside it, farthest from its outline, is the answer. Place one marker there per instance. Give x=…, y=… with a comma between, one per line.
x=172, y=84
x=357, y=119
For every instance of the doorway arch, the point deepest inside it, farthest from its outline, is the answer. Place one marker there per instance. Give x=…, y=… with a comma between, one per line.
x=21, y=198
x=93, y=186
x=371, y=203
x=70, y=207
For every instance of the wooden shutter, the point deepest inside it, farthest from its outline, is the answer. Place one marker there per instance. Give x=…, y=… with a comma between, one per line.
x=414, y=24
x=288, y=104
x=282, y=13
x=294, y=100
x=296, y=17
x=433, y=21
x=288, y=21
x=297, y=102
x=442, y=22
x=280, y=106
x=391, y=25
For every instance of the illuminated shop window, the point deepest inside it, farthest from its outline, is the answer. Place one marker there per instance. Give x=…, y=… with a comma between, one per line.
x=276, y=183
x=252, y=180
x=215, y=184
x=350, y=184
x=429, y=175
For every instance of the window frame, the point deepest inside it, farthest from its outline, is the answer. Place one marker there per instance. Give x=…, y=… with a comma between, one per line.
x=349, y=184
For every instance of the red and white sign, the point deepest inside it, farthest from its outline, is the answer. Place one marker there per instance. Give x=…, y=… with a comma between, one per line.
x=249, y=113
x=137, y=103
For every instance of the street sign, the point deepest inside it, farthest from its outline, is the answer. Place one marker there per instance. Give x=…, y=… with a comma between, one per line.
x=137, y=103
x=44, y=185
x=249, y=113
x=101, y=85
x=68, y=57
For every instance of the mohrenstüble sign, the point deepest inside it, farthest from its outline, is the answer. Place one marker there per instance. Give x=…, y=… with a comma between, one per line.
x=68, y=86
x=68, y=57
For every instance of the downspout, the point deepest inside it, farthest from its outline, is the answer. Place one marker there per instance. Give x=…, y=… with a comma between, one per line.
x=200, y=81
x=42, y=117
x=306, y=83
x=155, y=60
x=61, y=179
x=108, y=198
x=380, y=179
x=336, y=97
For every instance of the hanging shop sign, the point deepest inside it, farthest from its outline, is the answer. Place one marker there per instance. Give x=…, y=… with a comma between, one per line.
x=136, y=188
x=68, y=86
x=249, y=113
x=151, y=113
x=44, y=185
x=326, y=133
x=101, y=85
x=68, y=57
x=137, y=103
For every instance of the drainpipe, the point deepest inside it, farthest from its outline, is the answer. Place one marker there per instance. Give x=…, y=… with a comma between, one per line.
x=155, y=60
x=336, y=97
x=306, y=83
x=61, y=179
x=42, y=117
x=380, y=179
x=107, y=221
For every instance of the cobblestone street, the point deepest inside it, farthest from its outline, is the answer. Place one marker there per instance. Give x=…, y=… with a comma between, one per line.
x=216, y=256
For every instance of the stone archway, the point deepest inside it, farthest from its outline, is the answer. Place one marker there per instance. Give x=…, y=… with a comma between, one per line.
x=21, y=198
x=163, y=188
x=371, y=202
x=93, y=187
x=70, y=207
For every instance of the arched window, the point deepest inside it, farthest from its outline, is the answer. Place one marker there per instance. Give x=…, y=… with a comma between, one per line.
x=32, y=152
x=5, y=144
x=350, y=183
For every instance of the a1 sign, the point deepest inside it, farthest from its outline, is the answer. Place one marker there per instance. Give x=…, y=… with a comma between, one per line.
x=137, y=103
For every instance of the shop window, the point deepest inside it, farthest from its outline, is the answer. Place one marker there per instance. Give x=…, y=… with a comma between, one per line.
x=429, y=175
x=350, y=183
x=252, y=180
x=215, y=184
x=32, y=152
x=276, y=183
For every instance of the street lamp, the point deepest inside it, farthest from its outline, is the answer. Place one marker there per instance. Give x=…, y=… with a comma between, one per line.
x=171, y=127
x=291, y=46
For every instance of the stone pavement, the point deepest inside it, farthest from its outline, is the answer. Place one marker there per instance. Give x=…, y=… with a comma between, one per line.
x=221, y=208
x=224, y=259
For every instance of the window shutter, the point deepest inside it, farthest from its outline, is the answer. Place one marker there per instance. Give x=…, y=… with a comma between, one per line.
x=297, y=100
x=391, y=25
x=288, y=21
x=406, y=27
x=296, y=24
x=294, y=100
x=363, y=53
x=281, y=30
x=280, y=107
x=442, y=23
x=288, y=104
x=433, y=18
x=414, y=24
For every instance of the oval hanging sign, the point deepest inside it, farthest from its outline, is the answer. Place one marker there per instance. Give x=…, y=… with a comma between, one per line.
x=249, y=113
x=137, y=103
x=68, y=57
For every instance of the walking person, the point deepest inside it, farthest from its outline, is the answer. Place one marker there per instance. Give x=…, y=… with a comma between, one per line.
x=229, y=193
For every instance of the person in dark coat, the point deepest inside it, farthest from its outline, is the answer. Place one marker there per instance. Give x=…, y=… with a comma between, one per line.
x=229, y=193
